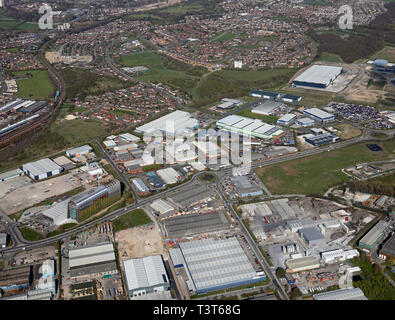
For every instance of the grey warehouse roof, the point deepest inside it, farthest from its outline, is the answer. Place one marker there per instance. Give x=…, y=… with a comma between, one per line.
x=216, y=262
x=312, y=234
x=100, y=253
x=319, y=74
x=41, y=166
x=145, y=272
x=341, y=294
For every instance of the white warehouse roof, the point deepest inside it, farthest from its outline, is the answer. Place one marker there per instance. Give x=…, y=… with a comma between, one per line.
x=145, y=272
x=162, y=206
x=79, y=150
x=341, y=294
x=170, y=123
x=319, y=74
x=58, y=212
x=168, y=175
x=41, y=166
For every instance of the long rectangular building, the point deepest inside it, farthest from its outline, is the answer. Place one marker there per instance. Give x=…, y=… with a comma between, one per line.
x=375, y=235
x=41, y=169
x=217, y=264
x=318, y=76
x=146, y=275
x=170, y=123
x=341, y=294
x=248, y=127
x=319, y=114
x=95, y=259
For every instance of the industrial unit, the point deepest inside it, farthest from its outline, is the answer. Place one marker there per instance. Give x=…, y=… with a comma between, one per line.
x=80, y=151
x=312, y=235
x=11, y=174
x=341, y=294
x=216, y=264
x=244, y=187
x=57, y=213
x=142, y=189
x=163, y=207
x=88, y=202
x=302, y=264
x=268, y=108
x=248, y=127
x=91, y=260
x=321, y=139
x=388, y=249
x=41, y=169
x=318, y=76
x=375, y=235
x=227, y=103
x=290, y=98
x=169, y=175
x=170, y=124
x=338, y=255
x=305, y=122
x=286, y=119
x=146, y=275
x=265, y=94
x=319, y=115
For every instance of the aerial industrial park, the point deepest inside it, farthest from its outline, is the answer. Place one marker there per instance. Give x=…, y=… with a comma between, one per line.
x=197, y=151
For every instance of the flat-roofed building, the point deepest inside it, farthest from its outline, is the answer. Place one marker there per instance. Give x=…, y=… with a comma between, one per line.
x=248, y=127
x=317, y=76
x=305, y=122
x=388, y=249
x=265, y=94
x=302, y=264
x=162, y=207
x=171, y=123
x=16, y=279
x=268, y=108
x=312, y=235
x=142, y=189
x=41, y=169
x=287, y=119
x=290, y=98
x=94, y=259
x=338, y=255
x=245, y=188
x=57, y=213
x=217, y=264
x=79, y=151
x=318, y=114
x=11, y=174
x=146, y=275
x=129, y=137
x=341, y=294
x=375, y=235
x=169, y=175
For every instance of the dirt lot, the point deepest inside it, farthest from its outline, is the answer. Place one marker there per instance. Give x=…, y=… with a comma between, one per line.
x=347, y=131
x=360, y=92
x=140, y=242
x=32, y=194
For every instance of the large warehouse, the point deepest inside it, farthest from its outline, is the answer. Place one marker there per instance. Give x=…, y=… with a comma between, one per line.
x=248, y=127
x=95, y=259
x=375, y=235
x=341, y=294
x=41, y=169
x=319, y=114
x=146, y=275
x=57, y=213
x=317, y=76
x=268, y=108
x=216, y=264
x=170, y=123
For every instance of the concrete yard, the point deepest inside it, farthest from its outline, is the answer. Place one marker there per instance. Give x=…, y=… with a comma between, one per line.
x=140, y=242
x=34, y=193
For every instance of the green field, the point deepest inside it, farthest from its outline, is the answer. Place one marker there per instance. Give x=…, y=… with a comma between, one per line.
x=30, y=234
x=315, y=174
x=268, y=119
x=158, y=71
x=328, y=57
x=37, y=87
x=79, y=131
x=388, y=53
x=223, y=36
x=9, y=23
x=131, y=219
